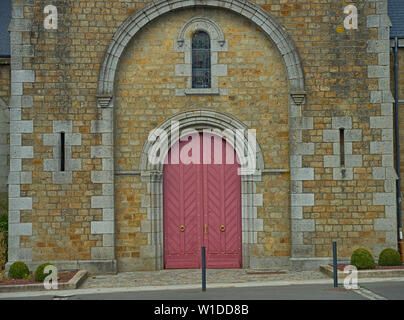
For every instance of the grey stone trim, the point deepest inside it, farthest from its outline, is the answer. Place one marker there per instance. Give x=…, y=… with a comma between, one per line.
x=381, y=147
x=201, y=92
x=152, y=175
x=105, y=177
x=350, y=160
x=203, y=24
x=18, y=127
x=341, y=122
x=302, y=200
x=382, y=95
x=102, y=227
x=53, y=139
x=204, y=119
x=217, y=44
x=298, y=150
x=153, y=201
x=151, y=11
x=302, y=174
x=331, y=161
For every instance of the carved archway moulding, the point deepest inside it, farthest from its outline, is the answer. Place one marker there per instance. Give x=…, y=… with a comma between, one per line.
x=150, y=12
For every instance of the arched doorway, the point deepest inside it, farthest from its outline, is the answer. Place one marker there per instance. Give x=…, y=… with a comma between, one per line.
x=202, y=204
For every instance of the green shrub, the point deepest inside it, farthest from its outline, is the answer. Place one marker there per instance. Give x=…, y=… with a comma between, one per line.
x=40, y=275
x=362, y=259
x=18, y=270
x=389, y=257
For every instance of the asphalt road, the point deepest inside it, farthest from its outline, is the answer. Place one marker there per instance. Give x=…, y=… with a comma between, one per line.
x=390, y=290
x=293, y=292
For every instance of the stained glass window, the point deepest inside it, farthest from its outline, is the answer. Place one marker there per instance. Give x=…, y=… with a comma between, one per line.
x=200, y=60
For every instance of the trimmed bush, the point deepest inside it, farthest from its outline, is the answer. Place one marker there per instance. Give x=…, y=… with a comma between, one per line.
x=18, y=270
x=39, y=272
x=362, y=259
x=389, y=257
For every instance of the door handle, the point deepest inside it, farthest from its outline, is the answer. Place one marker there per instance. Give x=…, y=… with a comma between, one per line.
x=206, y=229
x=222, y=228
x=182, y=228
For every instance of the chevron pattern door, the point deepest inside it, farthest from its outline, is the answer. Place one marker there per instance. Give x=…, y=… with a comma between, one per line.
x=202, y=206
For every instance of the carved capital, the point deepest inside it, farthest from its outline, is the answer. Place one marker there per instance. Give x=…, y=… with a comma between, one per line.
x=298, y=96
x=104, y=101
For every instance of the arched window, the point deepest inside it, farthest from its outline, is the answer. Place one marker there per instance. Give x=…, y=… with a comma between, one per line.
x=201, y=70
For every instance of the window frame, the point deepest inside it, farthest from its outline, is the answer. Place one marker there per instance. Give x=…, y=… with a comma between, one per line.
x=217, y=44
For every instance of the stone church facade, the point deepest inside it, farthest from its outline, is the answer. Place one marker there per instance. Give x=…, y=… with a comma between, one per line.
x=83, y=99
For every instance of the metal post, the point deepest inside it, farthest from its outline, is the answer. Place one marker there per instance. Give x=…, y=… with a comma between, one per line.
x=335, y=263
x=203, y=269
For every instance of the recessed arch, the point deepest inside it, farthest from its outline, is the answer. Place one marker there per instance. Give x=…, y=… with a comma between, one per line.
x=202, y=24
x=152, y=174
x=200, y=120
x=151, y=11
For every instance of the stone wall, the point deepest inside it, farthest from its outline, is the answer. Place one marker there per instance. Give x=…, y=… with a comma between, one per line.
x=70, y=215
x=5, y=87
x=146, y=96
x=5, y=84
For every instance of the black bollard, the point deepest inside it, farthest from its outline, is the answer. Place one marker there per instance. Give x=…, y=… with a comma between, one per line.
x=203, y=269
x=335, y=263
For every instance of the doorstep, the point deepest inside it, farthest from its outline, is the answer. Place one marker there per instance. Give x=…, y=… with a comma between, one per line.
x=73, y=283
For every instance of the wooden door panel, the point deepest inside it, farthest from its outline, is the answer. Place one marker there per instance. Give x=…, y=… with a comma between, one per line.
x=202, y=198
x=213, y=211
x=181, y=201
x=224, y=213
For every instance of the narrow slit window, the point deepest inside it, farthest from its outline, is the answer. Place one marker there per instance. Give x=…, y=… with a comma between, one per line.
x=342, y=146
x=62, y=151
x=201, y=64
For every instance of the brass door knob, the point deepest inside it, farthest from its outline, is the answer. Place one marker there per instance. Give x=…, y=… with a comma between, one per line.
x=182, y=228
x=222, y=228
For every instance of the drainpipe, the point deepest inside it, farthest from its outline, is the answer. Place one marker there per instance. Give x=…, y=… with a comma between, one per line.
x=397, y=106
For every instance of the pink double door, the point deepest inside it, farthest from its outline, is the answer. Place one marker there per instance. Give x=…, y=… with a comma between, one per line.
x=202, y=206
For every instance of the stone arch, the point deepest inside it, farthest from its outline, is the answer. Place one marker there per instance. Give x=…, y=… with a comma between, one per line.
x=206, y=119
x=285, y=45
x=202, y=24
x=151, y=11
x=218, y=44
x=152, y=175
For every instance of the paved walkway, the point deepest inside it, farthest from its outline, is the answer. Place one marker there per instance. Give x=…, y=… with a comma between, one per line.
x=192, y=276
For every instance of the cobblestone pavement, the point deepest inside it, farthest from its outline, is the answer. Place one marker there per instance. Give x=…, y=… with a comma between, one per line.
x=193, y=276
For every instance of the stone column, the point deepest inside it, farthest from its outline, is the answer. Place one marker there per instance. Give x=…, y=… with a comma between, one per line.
x=18, y=127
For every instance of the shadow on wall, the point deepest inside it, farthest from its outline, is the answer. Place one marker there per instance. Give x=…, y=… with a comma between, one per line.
x=4, y=169
x=4, y=147
x=3, y=232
